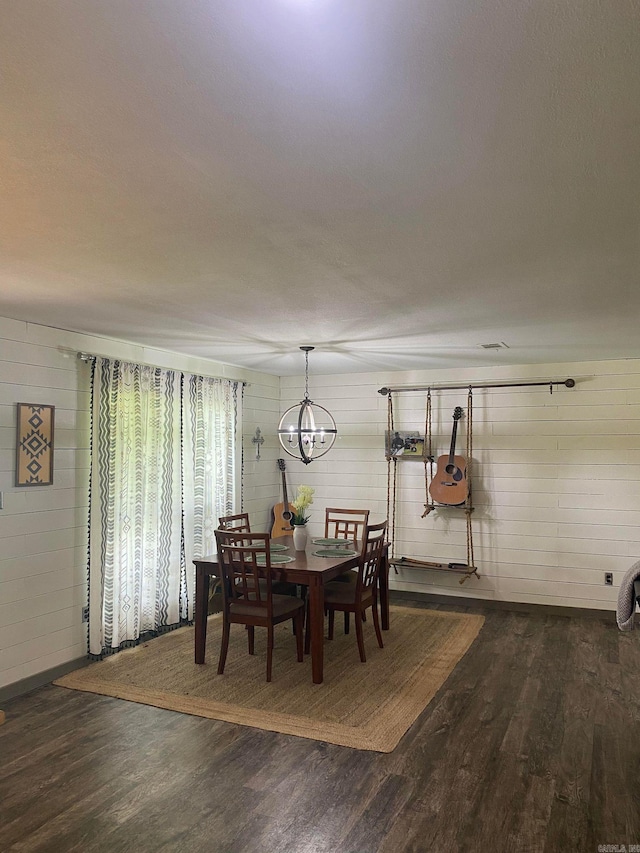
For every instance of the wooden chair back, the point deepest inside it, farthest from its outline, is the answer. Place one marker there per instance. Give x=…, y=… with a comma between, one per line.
x=238, y=523
x=245, y=561
x=370, y=558
x=346, y=523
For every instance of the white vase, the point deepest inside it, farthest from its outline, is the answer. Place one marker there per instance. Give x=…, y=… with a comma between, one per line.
x=299, y=537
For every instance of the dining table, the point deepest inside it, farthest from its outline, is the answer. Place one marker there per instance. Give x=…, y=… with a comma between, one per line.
x=306, y=568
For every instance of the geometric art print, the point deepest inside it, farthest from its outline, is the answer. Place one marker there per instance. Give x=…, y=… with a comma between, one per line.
x=34, y=458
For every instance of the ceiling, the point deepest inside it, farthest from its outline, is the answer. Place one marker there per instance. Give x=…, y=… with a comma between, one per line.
x=396, y=182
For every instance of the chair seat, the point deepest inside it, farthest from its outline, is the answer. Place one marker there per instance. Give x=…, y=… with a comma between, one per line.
x=346, y=577
x=283, y=606
x=343, y=593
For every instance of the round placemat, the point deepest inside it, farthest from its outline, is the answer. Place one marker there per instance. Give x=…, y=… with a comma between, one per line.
x=276, y=558
x=335, y=552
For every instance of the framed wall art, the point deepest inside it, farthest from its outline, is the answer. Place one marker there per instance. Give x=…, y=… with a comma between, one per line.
x=34, y=452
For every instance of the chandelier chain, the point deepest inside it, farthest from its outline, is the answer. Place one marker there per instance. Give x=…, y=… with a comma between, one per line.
x=306, y=374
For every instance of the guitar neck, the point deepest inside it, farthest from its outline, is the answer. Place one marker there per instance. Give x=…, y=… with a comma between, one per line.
x=285, y=500
x=452, y=449
x=281, y=513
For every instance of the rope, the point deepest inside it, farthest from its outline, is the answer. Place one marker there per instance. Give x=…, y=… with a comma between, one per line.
x=391, y=493
x=469, y=440
x=393, y=523
x=468, y=507
x=428, y=461
x=389, y=424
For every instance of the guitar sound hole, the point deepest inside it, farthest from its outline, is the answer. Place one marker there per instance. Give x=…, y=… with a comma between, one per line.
x=454, y=472
x=287, y=516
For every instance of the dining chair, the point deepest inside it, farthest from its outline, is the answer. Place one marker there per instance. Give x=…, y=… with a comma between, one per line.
x=239, y=523
x=347, y=524
x=357, y=598
x=247, y=593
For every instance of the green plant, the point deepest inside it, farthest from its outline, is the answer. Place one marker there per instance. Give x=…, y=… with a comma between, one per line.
x=299, y=520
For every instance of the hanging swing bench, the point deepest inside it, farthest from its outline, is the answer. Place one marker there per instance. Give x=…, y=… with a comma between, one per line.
x=465, y=569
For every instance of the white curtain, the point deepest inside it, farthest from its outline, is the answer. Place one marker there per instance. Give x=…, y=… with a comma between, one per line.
x=160, y=441
x=211, y=412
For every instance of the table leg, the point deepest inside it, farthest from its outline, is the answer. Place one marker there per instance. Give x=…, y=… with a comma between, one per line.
x=383, y=587
x=200, y=614
x=316, y=619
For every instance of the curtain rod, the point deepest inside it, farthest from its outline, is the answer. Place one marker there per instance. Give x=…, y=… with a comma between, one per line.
x=85, y=356
x=569, y=383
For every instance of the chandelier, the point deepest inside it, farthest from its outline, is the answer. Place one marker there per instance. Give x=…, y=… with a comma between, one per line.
x=307, y=431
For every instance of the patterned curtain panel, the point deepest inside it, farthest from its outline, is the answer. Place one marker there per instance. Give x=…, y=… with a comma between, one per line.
x=210, y=416
x=142, y=491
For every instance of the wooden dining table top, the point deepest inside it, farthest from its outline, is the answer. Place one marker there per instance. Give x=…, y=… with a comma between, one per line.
x=306, y=561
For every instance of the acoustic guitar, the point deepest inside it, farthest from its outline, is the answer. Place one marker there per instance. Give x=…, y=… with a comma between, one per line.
x=282, y=514
x=449, y=484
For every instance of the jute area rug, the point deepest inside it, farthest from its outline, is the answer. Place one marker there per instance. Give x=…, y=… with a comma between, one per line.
x=361, y=705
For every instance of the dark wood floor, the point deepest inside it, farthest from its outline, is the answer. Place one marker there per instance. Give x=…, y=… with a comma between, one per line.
x=533, y=744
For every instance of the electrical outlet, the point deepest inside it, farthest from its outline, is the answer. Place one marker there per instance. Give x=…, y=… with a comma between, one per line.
x=85, y=614
x=608, y=578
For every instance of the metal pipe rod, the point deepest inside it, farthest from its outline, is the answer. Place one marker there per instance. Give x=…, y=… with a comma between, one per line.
x=569, y=383
x=87, y=357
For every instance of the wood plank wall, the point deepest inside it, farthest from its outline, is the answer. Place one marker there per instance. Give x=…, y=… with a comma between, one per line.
x=43, y=530
x=556, y=478
x=556, y=483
